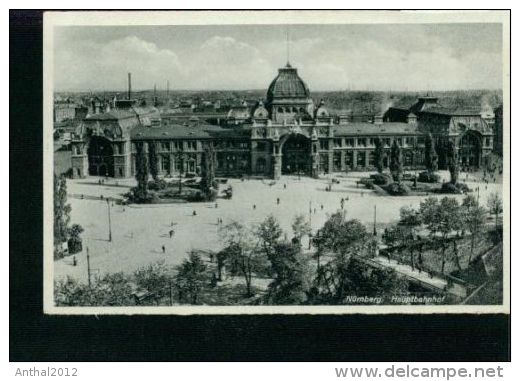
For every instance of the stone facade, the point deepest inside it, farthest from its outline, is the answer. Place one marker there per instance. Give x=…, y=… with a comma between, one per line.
x=288, y=134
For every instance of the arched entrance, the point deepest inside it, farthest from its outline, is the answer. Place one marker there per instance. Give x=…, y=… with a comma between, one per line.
x=296, y=155
x=100, y=157
x=470, y=149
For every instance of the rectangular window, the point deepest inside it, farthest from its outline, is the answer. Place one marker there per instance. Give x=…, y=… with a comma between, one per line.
x=400, y=141
x=337, y=143
x=324, y=144
x=371, y=142
x=337, y=161
x=420, y=140
x=260, y=146
x=177, y=145
x=362, y=142
x=243, y=145
x=371, y=158
x=165, y=146
x=349, y=142
x=349, y=158
x=360, y=159
x=488, y=142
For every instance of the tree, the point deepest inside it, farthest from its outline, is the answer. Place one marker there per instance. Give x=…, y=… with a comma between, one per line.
x=75, y=242
x=452, y=162
x=290, y=276
x=154, y=278
x=403, y=234
x=110, y=290
x=208, y=184
x=244, y=251
x=474, y=218
x=61, y=214
x=141, y=173
x=338, y=235
x=430, y=155
x=494, y=204
x=152, y=157
x=180, y=158
x=350, y=275
x=221, y=258
x=301, y=227
x=442, y=218
x=191, y=278
x=379, y=154
x=269, y=233
x=396, y=166
x=410, y=221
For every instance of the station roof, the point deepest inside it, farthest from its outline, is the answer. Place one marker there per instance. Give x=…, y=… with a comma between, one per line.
x=187, y=131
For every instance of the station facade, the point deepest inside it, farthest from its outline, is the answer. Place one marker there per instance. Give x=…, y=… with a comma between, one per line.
x=286, y=133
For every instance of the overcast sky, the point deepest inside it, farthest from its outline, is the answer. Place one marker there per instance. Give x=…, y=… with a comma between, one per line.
x=328, y=57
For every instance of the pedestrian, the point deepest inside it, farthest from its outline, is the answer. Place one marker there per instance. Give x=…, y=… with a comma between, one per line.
x=171, y=224
x=278, y=201
x=216, y=205
x=211, y=257
x=171, y=233
x=194, y=213
x=163, y=249
x=285, y=186
x=74, y=261
x=321, y=206
x=254, y=206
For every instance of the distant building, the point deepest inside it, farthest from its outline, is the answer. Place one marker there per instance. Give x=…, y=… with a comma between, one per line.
x=285, y=134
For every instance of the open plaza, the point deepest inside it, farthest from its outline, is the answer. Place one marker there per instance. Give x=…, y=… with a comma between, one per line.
x=139, y=232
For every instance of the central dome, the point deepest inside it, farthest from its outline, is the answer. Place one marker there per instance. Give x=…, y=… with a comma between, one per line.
x=287, y=84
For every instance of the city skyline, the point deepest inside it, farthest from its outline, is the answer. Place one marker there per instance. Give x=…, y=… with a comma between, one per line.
x=414, y=57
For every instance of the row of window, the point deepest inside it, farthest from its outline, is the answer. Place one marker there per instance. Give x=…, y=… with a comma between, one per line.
x=192, y=145
x=371, y=142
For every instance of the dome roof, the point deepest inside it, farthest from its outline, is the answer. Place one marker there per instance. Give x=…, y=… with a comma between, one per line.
x=287, y=84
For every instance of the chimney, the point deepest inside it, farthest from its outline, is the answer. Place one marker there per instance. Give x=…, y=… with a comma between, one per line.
x=129, y=86
x=412, y=118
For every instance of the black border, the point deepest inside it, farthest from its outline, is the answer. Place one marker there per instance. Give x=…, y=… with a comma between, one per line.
x=38, y=337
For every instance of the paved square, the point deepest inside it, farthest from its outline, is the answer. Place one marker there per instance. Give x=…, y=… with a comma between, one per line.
x=140, y=231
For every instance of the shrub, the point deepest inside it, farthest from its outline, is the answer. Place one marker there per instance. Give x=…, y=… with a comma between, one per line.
x=397, y=189
x=458, y=188
x=195, y=197
x=157, y=185
x=381, y=179
x=428, y=177
x=138, y=197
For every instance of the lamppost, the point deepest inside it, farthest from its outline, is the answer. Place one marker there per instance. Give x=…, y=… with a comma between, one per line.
x=88, y=268
x=109, y=222
x=375, y=212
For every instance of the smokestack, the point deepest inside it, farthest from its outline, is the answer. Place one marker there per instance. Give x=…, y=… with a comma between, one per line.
x=168, y=89
x=129, y=86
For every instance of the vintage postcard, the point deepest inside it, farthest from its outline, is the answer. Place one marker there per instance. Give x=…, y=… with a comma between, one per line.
x=295, y=162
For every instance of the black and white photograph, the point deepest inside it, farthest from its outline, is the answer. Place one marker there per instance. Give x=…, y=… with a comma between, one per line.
x=276, y=162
